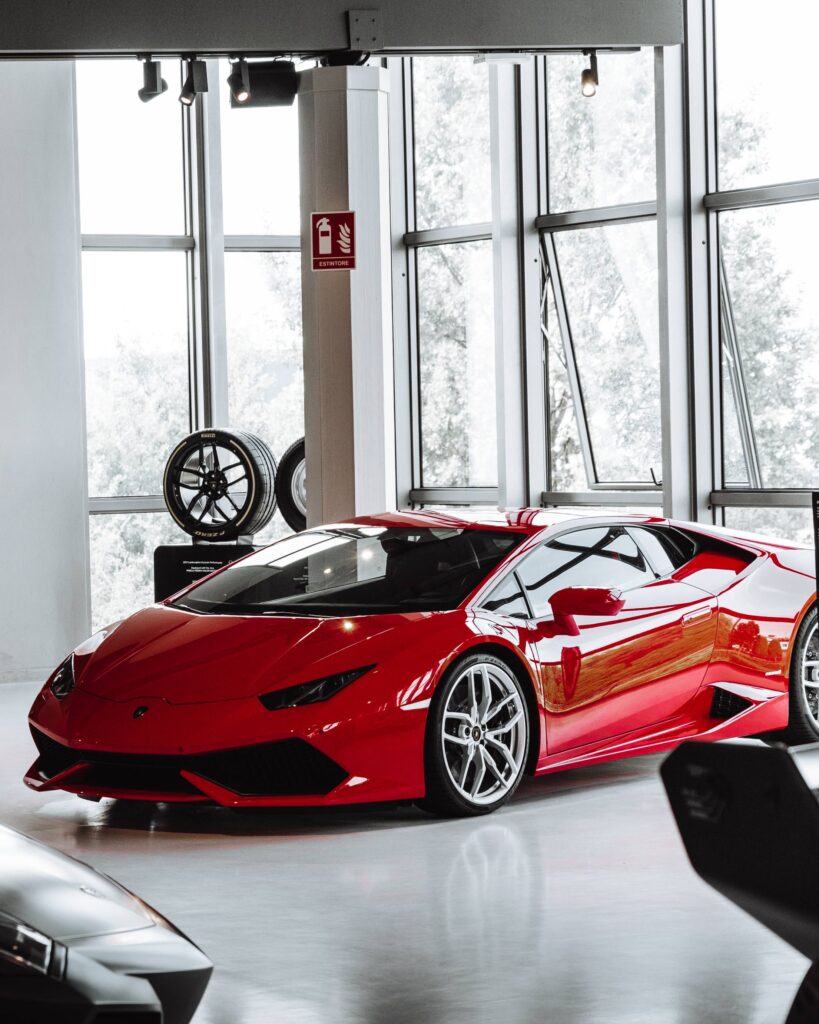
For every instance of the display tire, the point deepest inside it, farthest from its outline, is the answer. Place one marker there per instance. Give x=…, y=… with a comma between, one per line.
x=290, y=487
x=443, y=796
x=234, y=510
x=803, y=723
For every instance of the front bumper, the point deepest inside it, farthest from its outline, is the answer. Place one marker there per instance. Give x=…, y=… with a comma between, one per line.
x=234, y=752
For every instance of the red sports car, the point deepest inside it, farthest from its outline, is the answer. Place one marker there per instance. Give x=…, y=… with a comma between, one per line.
x=437, y=658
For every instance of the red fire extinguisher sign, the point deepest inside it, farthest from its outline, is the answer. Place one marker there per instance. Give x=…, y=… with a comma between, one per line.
x=333, y=240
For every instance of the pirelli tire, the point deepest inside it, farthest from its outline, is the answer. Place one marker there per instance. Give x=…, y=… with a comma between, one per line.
x=220, y=484
x=291, y=487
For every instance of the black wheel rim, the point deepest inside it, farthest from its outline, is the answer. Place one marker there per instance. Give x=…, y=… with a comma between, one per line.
x=210, y=485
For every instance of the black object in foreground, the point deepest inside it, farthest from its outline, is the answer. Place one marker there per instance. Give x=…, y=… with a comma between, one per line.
x=77, y=948
x=749, y=817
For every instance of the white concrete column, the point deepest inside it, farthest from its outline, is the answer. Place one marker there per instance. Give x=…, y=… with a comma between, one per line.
x=44, y=599
x=348, y=352
x=675, y=359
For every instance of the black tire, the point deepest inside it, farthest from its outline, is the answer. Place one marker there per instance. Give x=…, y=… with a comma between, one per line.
x=215, y=500
x=443, y=797
x=802, y=726
x=289, y=487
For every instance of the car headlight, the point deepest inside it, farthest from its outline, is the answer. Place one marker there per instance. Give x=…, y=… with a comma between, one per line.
x=23, y=945
x=312, y=692
x=62, y=681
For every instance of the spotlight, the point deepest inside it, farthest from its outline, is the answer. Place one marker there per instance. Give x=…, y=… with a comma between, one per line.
x=588, y=77
x=239, y=81
x=270, y=83
x=153, y=84
x=196, y=81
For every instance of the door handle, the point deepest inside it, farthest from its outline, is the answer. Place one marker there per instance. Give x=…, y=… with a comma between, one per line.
x=698, y=615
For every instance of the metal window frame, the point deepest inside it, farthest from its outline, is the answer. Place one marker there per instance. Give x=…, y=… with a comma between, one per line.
x=205, y=244
x=718, y=317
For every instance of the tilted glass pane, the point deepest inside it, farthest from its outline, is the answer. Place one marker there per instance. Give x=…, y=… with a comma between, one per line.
x=122, y=563
x=766, y=100
x=768, y=254
x=135, y=320
x=609, y=278
x=567, y=470
x=601, y=148
x=735, y=470
x=260, y=166
x=451, y=125
x=264, y=339
x=130, y=153
x=792, y=524
x=456, y=351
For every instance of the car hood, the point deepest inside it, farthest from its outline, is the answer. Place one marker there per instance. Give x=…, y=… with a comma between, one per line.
x=185, y=658
x=61, y=897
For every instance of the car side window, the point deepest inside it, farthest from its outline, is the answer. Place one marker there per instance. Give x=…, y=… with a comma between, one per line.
x=507, y=599
x=593, y=557
x=664, y=549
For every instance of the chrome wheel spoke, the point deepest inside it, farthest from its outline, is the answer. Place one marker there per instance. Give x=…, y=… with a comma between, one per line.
x=491, y=764
x=458, y=716
x=495, y=708
x=470, y=757
x=480, y=772
x=501, y=729
x=505, y=752
x=486, y=694
x=473, y=700
x=462, y=741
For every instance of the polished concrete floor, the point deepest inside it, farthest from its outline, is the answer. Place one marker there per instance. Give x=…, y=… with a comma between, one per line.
x=575, y=903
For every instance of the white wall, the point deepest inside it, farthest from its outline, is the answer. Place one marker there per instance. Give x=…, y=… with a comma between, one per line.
x=44, y=600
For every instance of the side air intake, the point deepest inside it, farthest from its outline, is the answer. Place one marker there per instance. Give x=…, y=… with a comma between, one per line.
x=726, y=705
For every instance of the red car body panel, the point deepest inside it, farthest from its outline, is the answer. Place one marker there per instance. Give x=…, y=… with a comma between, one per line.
x=640, y=681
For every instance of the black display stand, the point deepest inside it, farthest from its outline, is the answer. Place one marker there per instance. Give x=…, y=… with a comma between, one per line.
x=178, y=565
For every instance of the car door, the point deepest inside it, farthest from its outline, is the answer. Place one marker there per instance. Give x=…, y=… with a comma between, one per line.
x=624, y=672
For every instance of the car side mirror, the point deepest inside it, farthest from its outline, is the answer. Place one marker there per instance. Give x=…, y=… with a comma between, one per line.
x=573, y=601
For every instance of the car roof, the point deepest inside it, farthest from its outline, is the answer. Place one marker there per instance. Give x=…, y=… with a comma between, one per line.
x=520, y=520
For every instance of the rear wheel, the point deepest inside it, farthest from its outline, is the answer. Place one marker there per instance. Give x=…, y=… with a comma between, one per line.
x=803, y=723
x=477, y=738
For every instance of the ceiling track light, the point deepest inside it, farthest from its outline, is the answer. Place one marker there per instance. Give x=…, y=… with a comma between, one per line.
x=270, y=83
x=153, y=84
x=239, y=81
x=196, y=81
x=588, y=76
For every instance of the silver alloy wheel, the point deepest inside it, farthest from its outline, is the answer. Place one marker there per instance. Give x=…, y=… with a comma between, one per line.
x=298, y=487
x=810, y=674
x=484, y=733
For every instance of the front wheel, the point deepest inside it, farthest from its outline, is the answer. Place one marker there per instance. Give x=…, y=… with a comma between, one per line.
x=477, y=738
x=803, y=722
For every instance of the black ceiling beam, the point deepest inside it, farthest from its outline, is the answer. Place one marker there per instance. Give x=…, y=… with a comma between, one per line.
x=64, y=28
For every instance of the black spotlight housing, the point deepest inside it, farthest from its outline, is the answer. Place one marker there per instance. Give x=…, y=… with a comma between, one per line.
x=196, y=81
x=272, y=83
x=153, y=84
x=239, y=81
x=588, y=76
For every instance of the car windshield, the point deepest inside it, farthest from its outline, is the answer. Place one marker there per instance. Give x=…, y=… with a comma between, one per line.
x=361, y=570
